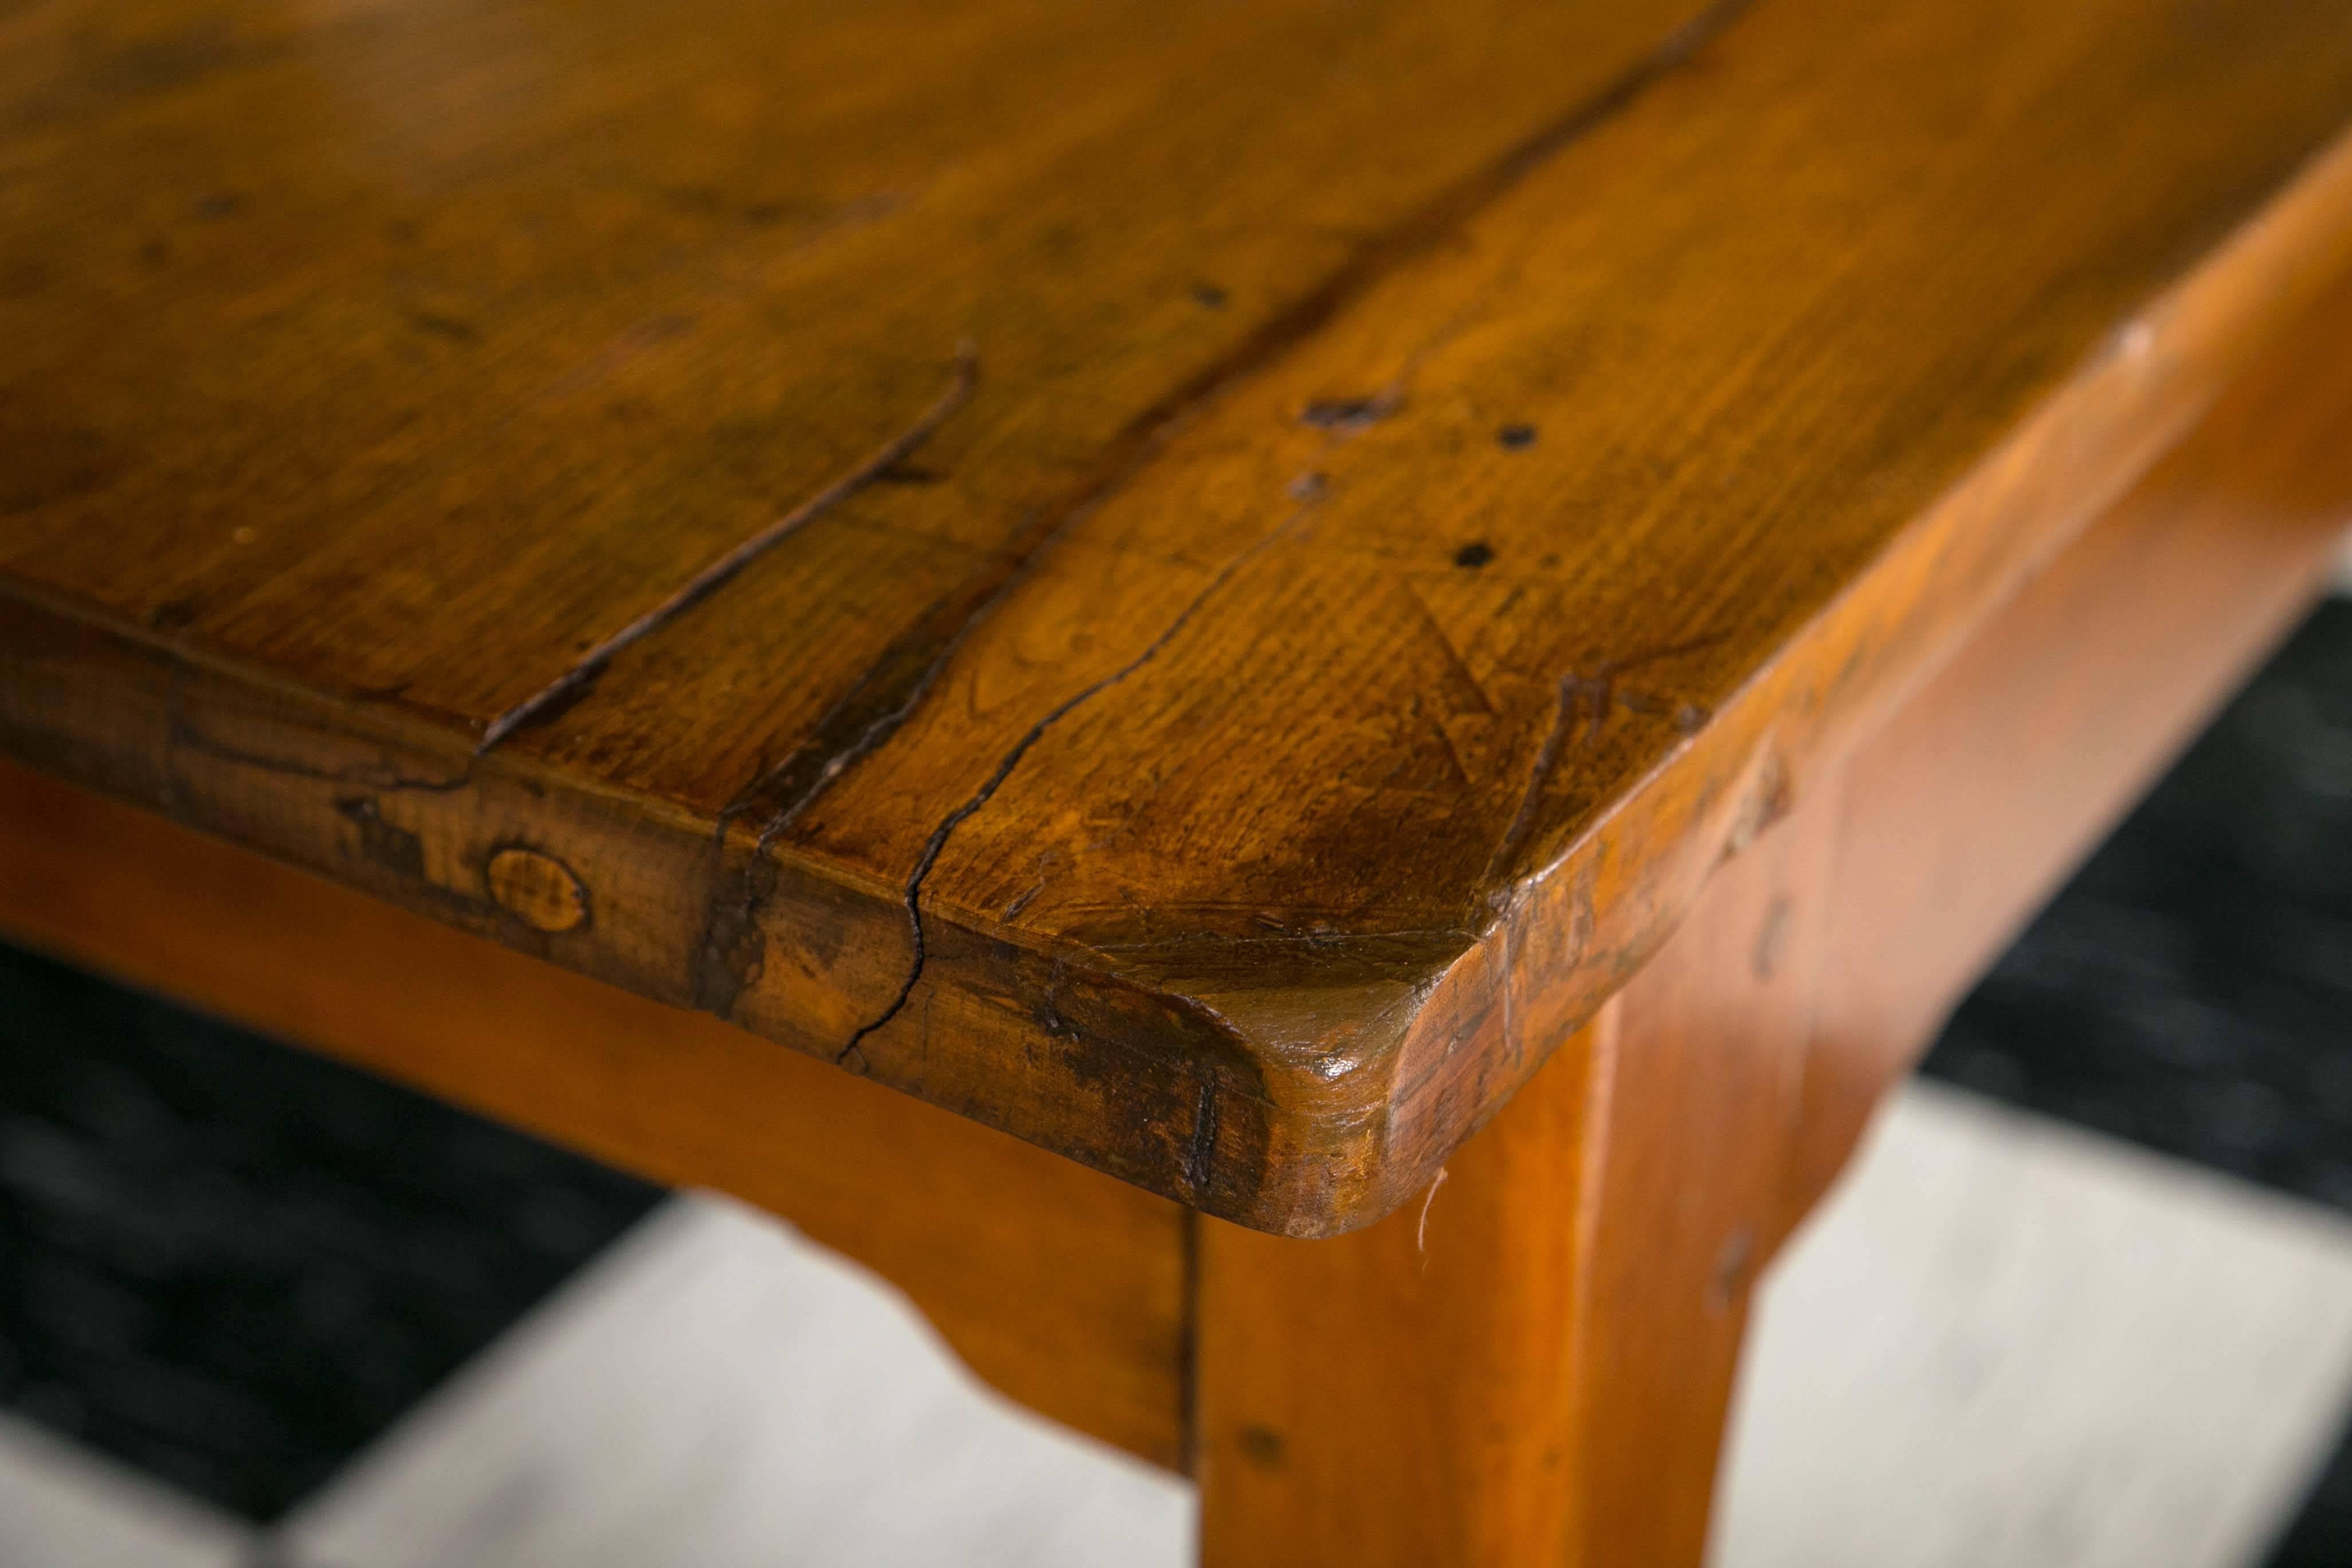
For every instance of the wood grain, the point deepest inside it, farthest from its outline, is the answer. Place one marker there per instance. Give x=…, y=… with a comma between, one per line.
x=1063, y=1288
x=1433, y=482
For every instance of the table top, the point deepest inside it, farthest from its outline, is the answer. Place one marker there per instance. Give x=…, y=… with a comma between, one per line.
x=1199, y=583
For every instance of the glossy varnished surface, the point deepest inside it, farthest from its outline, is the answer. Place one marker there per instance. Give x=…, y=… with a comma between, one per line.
x=1433, y=482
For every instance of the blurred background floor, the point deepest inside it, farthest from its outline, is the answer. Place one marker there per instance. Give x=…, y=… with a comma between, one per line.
x=2087, y=1298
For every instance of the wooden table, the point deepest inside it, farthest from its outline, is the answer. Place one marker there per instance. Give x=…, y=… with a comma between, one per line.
x=1231, y=591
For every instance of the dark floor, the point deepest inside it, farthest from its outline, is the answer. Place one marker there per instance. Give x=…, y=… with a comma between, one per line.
x=233, y=1264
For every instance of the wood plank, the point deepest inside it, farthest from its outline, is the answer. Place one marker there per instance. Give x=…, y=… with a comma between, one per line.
x=1180, y=782
x=1060, y=1287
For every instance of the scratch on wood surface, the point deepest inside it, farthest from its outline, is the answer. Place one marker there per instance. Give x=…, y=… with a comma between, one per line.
x=1591, y=696
x=1022, y=899
x=1538, y=775
x=573, y=682
x=1455, y=663
x=1348, y=415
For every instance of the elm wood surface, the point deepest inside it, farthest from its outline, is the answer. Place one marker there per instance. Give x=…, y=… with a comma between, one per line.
x=1060, y=1287
x=1173, y=762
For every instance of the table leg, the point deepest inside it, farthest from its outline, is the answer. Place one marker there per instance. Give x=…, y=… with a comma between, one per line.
x=1533, y=1365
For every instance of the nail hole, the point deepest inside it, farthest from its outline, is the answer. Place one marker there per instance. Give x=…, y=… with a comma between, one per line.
x=1263, y=1446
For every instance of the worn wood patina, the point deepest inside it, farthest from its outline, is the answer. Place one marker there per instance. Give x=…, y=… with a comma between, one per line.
x=1293, y=537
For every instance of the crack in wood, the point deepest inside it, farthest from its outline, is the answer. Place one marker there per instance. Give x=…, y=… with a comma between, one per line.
x=980, y=797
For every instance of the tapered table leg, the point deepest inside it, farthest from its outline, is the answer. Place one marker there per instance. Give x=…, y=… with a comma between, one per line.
x=1534, y=1365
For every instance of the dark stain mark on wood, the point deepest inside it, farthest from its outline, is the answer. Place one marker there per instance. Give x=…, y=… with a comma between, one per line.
x=453, y=328
x=43, y=463
x=731, y=953
x=173, y=614
x=1515, y=437
x=1474, y=554
x=152, y=68
x=387, y=844
x=1263, y=1446
x=1208, y=295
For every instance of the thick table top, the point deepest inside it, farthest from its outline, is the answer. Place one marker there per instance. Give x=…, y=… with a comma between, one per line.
x=1197, y=582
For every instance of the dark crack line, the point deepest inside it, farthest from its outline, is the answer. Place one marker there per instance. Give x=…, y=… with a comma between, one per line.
x=1012, y=759
x=716, y=575
x=748, y=889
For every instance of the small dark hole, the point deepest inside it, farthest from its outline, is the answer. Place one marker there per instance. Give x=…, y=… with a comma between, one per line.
x=1513, y=437
x=1474, y=554
x=1263, y=1446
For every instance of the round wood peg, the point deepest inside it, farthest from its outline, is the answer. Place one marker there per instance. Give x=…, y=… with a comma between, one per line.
x=537, y=889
